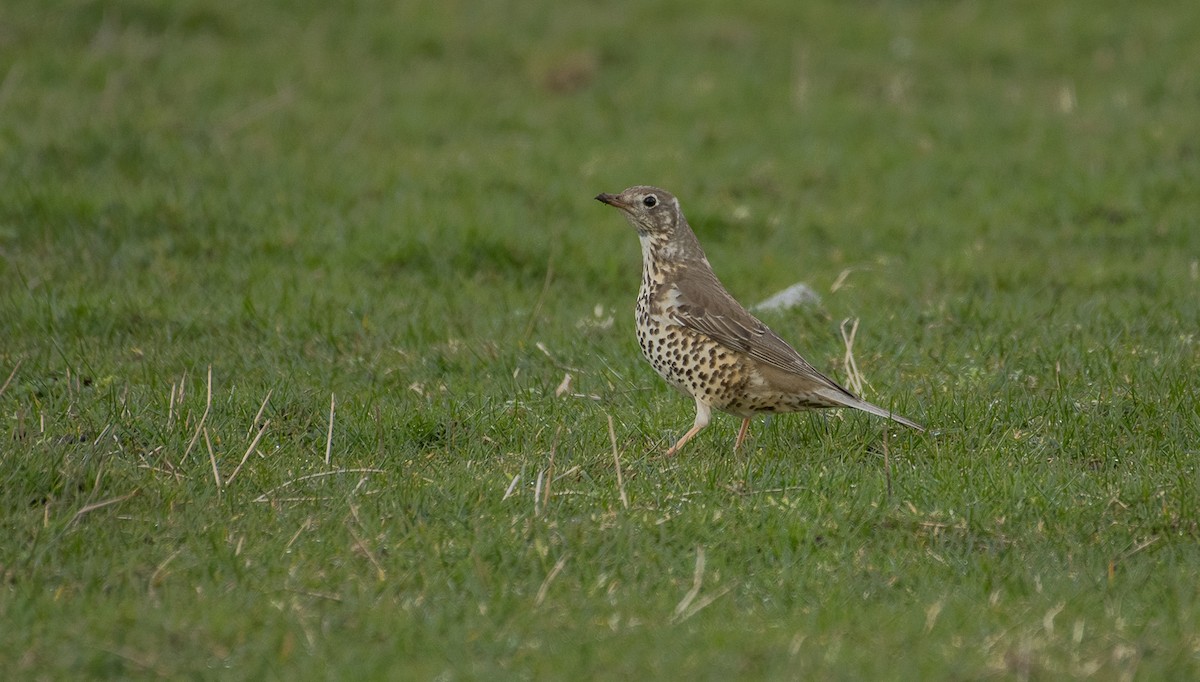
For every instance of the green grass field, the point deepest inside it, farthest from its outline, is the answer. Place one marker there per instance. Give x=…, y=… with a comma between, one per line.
x=217, y=216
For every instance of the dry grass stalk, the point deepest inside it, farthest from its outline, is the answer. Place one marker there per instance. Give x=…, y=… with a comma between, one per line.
x=612, y=436
x=568, y=472
x=329, y=438
x=99, y=505
x=266, y=497
x=511, y=486
x=550, y=469
x=261, y=408
x=380, y=574
x=537, y=493
x=697, y=582
x=250, y=449
x=299, y=531
x=854, y=378
x=212, y=458
x=203, y=418
x=689, y=605
x=159, y=571
x=11, y=374
x=103, y=432
x=558, y=567
x=887, y=462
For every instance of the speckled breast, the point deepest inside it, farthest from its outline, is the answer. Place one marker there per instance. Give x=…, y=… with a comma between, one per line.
x=688, y=360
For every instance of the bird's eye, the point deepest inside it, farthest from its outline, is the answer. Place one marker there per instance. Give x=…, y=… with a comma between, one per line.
x=650, y=201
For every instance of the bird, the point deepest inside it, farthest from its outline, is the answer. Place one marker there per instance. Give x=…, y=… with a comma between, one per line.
x=706, y=344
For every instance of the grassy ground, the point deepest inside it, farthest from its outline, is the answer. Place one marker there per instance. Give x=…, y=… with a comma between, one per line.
x=391, y=204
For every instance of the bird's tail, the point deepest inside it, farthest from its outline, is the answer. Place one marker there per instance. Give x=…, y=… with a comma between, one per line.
x=860, y=404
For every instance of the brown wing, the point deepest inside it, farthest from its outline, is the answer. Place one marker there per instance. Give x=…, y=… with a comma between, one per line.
x=703, y=305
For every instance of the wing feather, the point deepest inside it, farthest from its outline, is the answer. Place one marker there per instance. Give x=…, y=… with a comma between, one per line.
x=703, y=305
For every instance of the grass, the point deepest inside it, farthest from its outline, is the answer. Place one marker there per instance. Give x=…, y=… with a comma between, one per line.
x=390, y=204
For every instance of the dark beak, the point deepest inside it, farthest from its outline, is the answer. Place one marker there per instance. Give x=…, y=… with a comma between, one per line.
x=612, y=200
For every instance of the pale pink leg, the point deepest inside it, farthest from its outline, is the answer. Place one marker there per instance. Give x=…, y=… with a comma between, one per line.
x=742, y=434
x=703, y=413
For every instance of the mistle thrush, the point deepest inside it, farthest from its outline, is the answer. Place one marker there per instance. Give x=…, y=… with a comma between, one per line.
x=702, y=341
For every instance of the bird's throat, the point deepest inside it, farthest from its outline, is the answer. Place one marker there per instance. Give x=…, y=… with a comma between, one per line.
x=654, y=259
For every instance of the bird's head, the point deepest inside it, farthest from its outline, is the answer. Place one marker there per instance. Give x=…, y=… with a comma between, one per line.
x=652, y=211
x=664, y=232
